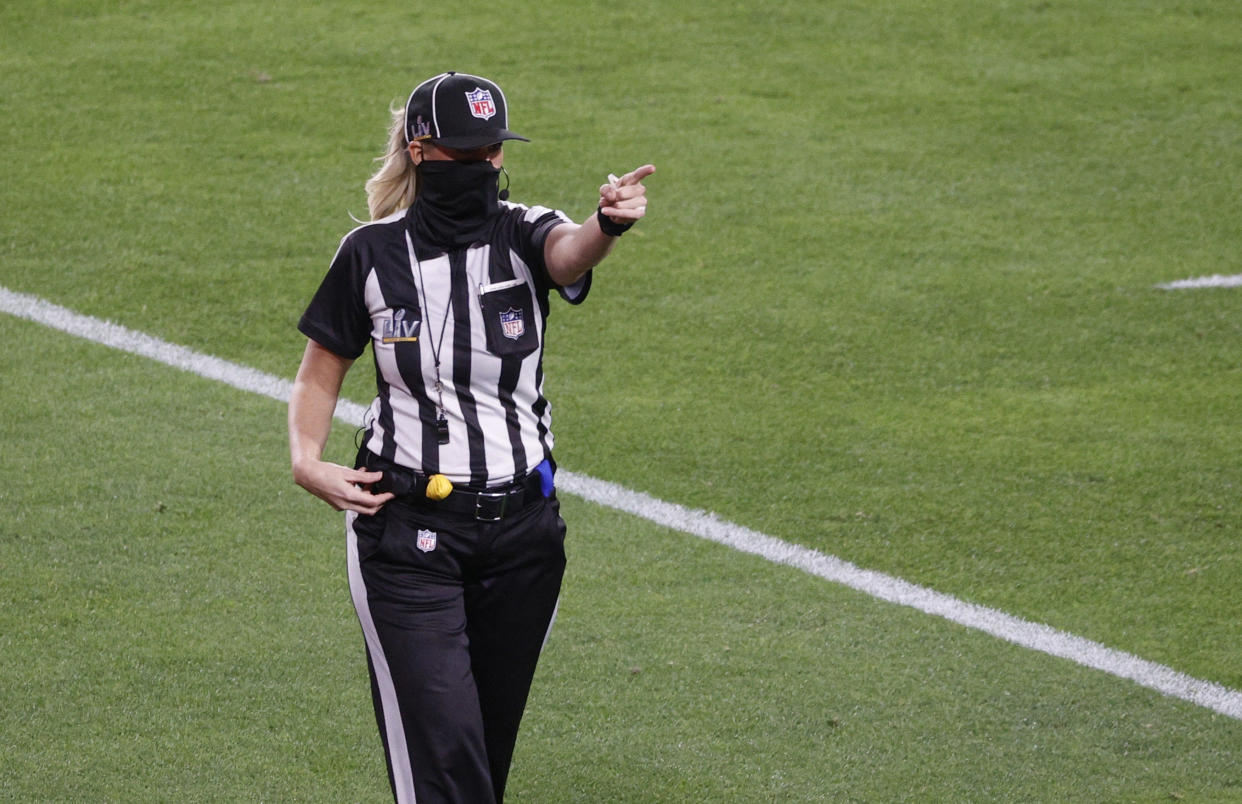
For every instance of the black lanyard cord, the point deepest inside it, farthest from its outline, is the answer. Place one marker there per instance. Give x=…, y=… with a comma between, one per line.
x=442, y=431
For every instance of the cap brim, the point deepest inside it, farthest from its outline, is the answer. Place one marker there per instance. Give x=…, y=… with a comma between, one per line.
x=470, y=141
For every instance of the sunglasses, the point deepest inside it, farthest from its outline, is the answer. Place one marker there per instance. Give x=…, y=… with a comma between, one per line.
x=472, y=154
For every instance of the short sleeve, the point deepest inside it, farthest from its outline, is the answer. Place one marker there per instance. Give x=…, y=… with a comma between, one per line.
x=337, y=317
x=537, y=223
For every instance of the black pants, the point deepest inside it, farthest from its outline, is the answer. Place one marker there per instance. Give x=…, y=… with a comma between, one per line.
x=454, y=613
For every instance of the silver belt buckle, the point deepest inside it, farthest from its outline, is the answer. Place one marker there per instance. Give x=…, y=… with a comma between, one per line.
x=500, y=498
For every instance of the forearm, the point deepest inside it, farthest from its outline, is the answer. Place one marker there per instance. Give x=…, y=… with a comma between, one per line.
x=312, y=403
x=310, y=422
x=576, y=250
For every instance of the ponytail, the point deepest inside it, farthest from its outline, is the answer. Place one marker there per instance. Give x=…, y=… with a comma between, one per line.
x=395, y=184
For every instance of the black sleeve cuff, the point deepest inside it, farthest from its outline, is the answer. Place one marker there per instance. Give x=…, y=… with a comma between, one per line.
x=329, y=341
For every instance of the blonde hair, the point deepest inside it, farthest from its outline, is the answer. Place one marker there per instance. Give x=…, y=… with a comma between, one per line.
x=395, y=184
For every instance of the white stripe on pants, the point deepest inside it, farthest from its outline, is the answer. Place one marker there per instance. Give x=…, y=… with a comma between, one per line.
x=403, y=774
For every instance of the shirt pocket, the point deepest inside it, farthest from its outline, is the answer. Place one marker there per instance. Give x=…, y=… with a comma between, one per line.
x=508, y=318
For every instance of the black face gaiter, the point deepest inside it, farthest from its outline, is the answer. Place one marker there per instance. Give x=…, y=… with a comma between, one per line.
x=456, y=202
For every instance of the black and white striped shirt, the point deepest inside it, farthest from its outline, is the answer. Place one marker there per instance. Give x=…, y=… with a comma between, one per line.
x=483, y=308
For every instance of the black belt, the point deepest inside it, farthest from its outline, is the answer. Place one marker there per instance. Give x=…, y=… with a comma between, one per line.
x=487, y=505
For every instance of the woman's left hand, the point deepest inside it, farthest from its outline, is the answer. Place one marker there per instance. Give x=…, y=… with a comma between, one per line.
x=625, y=199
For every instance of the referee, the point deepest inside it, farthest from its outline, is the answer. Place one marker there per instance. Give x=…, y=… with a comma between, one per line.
x=455, y=542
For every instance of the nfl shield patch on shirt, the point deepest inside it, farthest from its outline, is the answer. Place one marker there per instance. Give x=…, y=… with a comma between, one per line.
x=426, y=540
x=512, y=324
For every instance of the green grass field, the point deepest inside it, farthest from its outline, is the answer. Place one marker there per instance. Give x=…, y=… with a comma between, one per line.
x=895, y=301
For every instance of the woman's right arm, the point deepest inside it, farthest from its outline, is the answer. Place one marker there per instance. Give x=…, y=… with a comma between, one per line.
x=311, y=405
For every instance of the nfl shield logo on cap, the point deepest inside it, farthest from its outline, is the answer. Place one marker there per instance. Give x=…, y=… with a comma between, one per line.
x=481, y=104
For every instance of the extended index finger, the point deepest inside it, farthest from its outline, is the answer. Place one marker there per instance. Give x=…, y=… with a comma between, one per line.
x=637, y=175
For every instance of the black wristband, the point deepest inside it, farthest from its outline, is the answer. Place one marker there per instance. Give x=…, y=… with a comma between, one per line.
x=610, y=227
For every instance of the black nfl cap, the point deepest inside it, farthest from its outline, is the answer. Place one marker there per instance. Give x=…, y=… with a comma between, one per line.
x=458, y=110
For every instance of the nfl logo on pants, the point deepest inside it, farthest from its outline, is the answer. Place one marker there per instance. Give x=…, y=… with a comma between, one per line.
x=426, y=540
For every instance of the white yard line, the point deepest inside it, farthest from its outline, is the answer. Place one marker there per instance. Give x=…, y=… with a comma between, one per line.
x=1213, y=281
x=703, y=524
